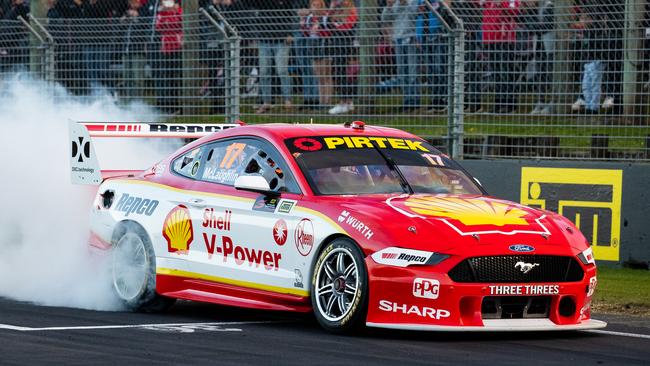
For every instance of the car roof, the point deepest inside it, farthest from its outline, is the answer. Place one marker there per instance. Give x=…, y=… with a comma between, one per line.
x=278, y=132
x=285, y=130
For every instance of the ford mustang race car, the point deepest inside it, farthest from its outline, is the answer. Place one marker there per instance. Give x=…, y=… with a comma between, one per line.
x=364, y=226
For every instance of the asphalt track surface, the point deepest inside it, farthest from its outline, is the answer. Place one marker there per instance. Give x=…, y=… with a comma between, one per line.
x=193, y=334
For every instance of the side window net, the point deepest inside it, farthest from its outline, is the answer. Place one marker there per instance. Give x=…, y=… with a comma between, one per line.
x=188, y=164
x=229, y=159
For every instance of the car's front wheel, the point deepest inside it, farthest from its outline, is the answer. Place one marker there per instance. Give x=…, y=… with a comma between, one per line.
x=134, y=271
x=340, y=287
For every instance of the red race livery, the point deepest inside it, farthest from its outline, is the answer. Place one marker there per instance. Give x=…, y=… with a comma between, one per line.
x=364, y=226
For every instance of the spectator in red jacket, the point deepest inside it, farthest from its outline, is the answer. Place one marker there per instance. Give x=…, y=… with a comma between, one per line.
x=169, y=24
x=499, y=41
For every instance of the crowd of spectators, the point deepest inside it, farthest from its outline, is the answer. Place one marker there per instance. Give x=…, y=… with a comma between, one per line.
x=13, y=38
x=306, y=52
x=143, y=37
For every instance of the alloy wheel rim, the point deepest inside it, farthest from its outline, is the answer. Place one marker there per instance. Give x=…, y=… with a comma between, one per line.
x=130, y=266
x=337, y=283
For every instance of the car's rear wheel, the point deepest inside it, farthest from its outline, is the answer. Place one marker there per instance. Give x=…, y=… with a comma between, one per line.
x=340, y=287
x=134, y=271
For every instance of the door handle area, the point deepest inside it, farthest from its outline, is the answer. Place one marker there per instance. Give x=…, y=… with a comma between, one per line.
x=196, y=202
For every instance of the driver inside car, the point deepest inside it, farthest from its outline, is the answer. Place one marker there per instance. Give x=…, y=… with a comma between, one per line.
x=423, y=179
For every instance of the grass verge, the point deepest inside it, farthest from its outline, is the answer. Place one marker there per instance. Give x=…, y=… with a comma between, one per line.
x=623, y=291
x=574, y=131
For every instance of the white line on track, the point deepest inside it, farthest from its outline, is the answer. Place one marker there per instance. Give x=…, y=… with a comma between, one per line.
x=205, y=326
x=126, y=326
x=622, y=334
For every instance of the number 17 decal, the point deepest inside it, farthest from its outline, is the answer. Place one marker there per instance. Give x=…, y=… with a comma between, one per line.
x=232, y=152
x=434, y=159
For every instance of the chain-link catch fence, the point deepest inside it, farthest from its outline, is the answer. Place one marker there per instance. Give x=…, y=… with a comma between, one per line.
x=556, y=79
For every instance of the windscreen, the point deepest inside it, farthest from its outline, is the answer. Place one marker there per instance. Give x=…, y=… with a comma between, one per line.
x=352, y=165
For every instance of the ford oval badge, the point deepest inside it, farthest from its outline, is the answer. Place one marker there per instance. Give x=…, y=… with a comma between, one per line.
x=521, y=248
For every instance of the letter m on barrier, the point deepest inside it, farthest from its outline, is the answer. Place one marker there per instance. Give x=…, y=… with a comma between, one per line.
x=591, y=198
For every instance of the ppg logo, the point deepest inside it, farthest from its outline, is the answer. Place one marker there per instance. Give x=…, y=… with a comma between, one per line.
x=81, y=150
x=426, y=288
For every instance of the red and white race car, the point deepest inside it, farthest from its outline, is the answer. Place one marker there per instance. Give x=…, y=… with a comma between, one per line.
x=361, y=225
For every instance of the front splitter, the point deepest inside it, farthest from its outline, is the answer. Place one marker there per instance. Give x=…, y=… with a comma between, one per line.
x=497, y=325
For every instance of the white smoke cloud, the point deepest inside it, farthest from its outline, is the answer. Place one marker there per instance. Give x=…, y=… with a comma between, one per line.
x=44, y=257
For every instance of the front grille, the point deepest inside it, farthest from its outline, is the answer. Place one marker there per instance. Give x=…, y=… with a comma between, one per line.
x=515, y=307
x=549, y=268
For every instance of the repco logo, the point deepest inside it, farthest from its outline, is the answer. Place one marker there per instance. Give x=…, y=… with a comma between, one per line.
x=131, y=204
x=304, y=237
x=412, y=258
x=161, y=127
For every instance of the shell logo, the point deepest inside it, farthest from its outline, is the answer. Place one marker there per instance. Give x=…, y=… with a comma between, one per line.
x=177, y=229
x=471, y=215
x=469, y=212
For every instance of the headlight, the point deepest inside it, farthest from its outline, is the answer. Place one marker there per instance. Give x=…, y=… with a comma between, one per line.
x=587, y=257
x=400, y=257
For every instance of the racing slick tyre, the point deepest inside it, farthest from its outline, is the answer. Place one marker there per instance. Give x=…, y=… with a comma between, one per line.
x=133, y=271
x=339, y=293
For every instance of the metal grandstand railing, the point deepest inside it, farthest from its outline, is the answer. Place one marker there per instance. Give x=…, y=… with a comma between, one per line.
x=553, y=79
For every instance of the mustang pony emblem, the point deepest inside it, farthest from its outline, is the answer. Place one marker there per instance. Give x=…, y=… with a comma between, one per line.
x=526, y=267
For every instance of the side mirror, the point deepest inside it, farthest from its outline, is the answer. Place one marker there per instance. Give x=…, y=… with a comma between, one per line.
x=254, y=183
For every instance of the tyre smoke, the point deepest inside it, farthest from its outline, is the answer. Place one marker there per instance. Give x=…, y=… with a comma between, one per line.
x=44, y=256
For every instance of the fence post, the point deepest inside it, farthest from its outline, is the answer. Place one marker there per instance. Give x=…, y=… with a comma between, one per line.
x=563, y=88
x=232, y=66
x=48, y=60
x=191, y=44
x=458, y=115
x=232, y=81
x=368, y=31
x=455, y=80
x=37, y=9
x=235, y=66
x=450, y=72
x=37, y=45
x=632, y=56
x=451, y=65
